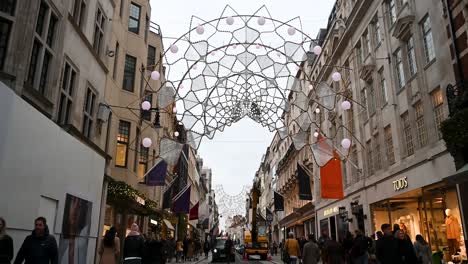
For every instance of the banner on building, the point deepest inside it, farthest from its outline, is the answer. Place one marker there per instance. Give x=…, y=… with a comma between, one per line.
x=331, y=179
x=304, y=183
x=278, y=202
x=156, y=176
x=181, y=202
x=193, y=214
x=168, y=194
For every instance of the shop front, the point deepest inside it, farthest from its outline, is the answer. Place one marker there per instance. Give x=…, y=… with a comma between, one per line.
x=432, y=211
x=301, y=222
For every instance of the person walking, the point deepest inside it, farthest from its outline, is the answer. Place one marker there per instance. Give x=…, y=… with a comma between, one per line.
x=275, y=248
x=171, y=249
x=387, y=248
x=406, y=250
x=335, y=252
x=311, y=251
x=40, y=247
x=180, y=251
x=347, y=246
x=422, y=250
x=360, y=247
x=6, y=244
x=133, y=246
x=206, y=248
x=291, y=246
x=228, y=245
x=110, y=247
x=324, y=237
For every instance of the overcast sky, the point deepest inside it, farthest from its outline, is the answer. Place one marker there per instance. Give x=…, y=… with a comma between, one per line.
x=235, y=154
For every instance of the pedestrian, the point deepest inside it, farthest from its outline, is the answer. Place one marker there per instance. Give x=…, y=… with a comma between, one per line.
x=180, y=250
x=186, y=246
x=171, y=249
x=347, y=246
x=334, y=252
x=291, y=246
x=405, y=248
x=228, y=245
x=311, y=251
x=6, y=244
x=275, y=248
x=387, y=249
x=324, y=237
x=396, y=227
x=110, y=247
x=359, y=250
x=40, y=247
x=302, y=242
x=422, y=250
x=206, y=247
x=133, y=246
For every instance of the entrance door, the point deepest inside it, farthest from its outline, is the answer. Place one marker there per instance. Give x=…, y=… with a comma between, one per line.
x=333, y=228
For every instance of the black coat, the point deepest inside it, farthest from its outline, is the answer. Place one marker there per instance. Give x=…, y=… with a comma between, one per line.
x=407, y=251
x=388, y=251
x=134, y=246
x=38, y=250
x=6, y=249
x=153, y=252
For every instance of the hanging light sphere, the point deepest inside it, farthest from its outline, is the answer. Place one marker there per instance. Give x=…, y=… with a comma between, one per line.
x=145, y=106
x=181, y=86
x=316, y=134
x=174, y=110
x=155, y=75
x=213, y=53
x=200, y=29
x=176, y=134
x=261, y=21
x=230, y=20
x=180, y=123
x=194, y=66
x=147, y=142
x=317, y=110
x=311, y=87
x=345, y=105
x=174, y=48
x=317, y=50
x=234, y=46
x=336, y=76
x=346, y=143
x=291, y=31
x=257, y=46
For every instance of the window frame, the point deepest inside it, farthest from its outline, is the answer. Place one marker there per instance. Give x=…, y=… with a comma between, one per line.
x=383, y=87
x=99, y=30
x=399, y=68
x=392, y=12
x=429, y=51
x=413, y=68
x=438, y=109
x=116, y=60
x=123, y=142
x=390, y=150
x=131, y=18
x=89, y=107
x=143, y=159
x=68, y=85
x=127, y=72
x=407, y=134
x=79, y=13
x=421, y=132
x=3, y=55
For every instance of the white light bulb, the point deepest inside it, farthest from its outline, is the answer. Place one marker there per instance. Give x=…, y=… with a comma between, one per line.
x=336, y=76
x=145, y=106
x=311, y=87
x=155, y=75
x=230, y=20
x=291, y=31
x=176, y=134
x=317, y=110
x=174, y=48
x=261, y=21
x=147, y=142
x=346, y=143
x=316, y=134
x=345, y=105
x=317, y=50
x=200, y=29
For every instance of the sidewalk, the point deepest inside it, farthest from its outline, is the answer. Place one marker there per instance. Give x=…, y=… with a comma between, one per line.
x=276, y=259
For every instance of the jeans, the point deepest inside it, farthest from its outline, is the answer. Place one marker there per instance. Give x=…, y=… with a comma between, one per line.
x=132, y=261
x=292, y=260
x=361, y=259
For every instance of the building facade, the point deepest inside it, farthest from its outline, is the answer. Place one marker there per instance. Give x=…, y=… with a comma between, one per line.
x=398, y=54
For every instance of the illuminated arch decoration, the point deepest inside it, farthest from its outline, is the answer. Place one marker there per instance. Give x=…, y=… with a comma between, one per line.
x=231, y=205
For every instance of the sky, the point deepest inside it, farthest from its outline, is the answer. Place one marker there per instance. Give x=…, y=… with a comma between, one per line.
x=235, y=154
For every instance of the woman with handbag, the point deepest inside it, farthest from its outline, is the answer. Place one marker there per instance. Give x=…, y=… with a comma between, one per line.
x=292, y=250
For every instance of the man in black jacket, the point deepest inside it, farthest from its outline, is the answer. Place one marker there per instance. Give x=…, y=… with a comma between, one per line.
x=40, y=247
x=387, y=247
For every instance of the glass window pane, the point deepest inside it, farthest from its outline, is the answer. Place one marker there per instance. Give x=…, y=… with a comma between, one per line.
x=51, y=31
x=121, y=155
x=8, y=6
x=129, y=73
x=33, y=63
x=41, y=18
x=44, y=72
x=5, y=29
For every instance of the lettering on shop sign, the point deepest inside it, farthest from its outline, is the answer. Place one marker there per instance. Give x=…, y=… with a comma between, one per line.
x=400, y=184
x=330, y=211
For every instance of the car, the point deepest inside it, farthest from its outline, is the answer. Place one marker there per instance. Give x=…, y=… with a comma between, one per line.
x=219, y=253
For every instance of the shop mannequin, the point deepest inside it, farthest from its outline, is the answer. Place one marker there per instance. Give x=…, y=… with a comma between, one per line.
x=453, y=232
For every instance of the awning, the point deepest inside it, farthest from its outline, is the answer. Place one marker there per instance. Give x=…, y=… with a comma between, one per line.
x=168, y=225
x=459, y=176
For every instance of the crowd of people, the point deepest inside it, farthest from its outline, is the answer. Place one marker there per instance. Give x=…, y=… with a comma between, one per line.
x=388, y=246
x=41, y=247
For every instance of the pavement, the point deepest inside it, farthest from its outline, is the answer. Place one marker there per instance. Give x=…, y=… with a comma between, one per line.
x=202, y=260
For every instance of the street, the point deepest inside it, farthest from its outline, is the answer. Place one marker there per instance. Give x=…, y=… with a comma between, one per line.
x=275, y=260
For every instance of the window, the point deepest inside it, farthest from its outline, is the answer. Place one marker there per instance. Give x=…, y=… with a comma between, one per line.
x=8, y=6
x=79, y=11
x=420, y=125
x=137, y=144
x=146, y=115
x=411, y=56
x=134, y=18
x=147, y=27
x=99, y=31
x=129, y=73
x=371, y=99
x=370, y=159
x=42, y=52
x=116, y=60
x=359, y=54
x=5, y=29
x=151, y=58
x=427, y=37
x=408, y=136
x=389, y=145
x=66, y=94
x=377, y=32
x=383, y=87
x=378, y=158
x=366, y=45
x=88, y=112
x=437, y=103
x=143, y=163
x=399, y=68
x=350, y=121
x=392, y=12
x=354, y=166
x=122, y=144
x=364, y=104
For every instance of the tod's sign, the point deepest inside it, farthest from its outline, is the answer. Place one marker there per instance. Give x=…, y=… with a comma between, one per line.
x=400, y=184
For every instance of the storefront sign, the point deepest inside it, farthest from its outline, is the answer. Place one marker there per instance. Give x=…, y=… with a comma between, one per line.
x=330, y=211
x=400, y=184
x=140, y=200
